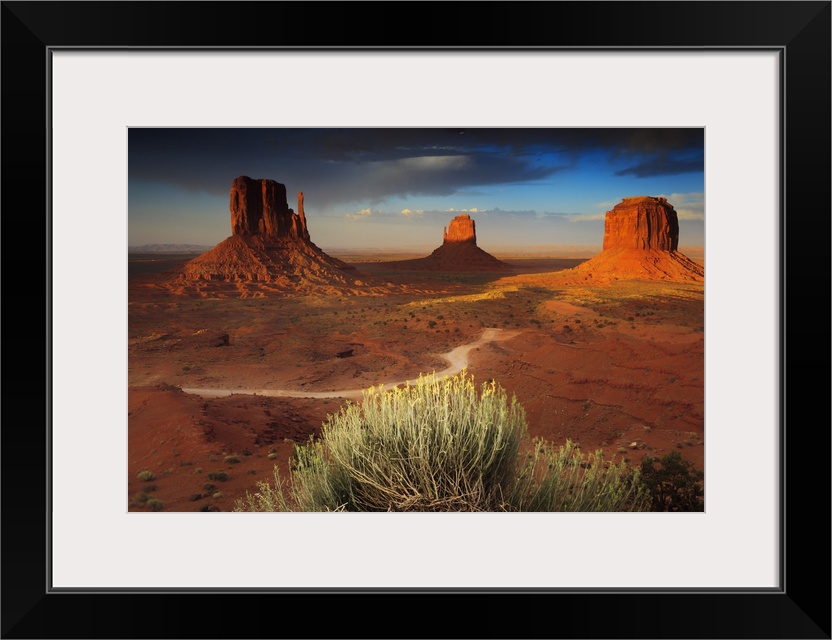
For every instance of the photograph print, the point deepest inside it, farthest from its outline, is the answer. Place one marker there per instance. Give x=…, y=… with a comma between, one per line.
x=416, y=320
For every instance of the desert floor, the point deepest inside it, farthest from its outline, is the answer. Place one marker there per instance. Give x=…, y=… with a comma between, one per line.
x=617, y=367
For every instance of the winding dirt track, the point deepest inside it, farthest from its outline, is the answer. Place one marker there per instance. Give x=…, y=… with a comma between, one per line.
x=457, y=361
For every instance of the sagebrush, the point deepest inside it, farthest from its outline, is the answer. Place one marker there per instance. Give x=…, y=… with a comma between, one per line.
x=442, y=444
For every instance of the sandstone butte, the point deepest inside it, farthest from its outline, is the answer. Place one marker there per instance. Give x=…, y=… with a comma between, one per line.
x=641, y=240
x=269, y=246
x=458, y=252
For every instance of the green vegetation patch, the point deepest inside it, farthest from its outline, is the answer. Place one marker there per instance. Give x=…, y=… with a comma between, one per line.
x=673, y=483
x=442, y=444
x=145, y=475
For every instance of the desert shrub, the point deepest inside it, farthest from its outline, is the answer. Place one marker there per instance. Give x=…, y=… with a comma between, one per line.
x=222, y=476
x=674, y=485
x=154, y=504
x=145, y=475
x=142, y=497
x=232, y=459
x=441, y=445
x=564, y=479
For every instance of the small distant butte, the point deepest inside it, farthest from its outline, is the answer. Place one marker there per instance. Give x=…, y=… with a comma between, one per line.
x=458, y=252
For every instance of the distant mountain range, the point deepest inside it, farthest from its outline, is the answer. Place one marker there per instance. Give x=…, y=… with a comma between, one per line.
x=170, y=248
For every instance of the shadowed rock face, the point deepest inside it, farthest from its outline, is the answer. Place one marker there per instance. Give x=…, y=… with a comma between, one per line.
x=643, y=222
x=259, y=207
x=461, y=229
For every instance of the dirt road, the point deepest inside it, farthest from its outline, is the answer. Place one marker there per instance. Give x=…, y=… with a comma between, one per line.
x=457, y=361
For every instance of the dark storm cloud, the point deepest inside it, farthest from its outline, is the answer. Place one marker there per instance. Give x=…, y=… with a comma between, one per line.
x=441, y=174
x=344, y=165
x=662, y=165
x=660, y=152
x=381, y=144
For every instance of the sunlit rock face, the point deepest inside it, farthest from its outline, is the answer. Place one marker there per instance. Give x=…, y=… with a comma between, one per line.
x=461, y=229
x=269, y=251
x=457, y=253
x=643, y=222
x=641, y=240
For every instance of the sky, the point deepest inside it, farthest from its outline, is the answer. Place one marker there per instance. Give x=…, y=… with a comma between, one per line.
x=387, y=188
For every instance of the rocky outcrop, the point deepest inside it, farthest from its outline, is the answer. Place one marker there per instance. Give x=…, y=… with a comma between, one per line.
x=458, y=252
x=641, y=240
x=642, y=223
x=302, y=216
x=461, y=229
x=269, y=251
x=259, y=207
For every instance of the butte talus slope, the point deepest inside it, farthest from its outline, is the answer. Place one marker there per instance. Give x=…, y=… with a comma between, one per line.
x=269, y=251
x=458, y=252
x=641, y=240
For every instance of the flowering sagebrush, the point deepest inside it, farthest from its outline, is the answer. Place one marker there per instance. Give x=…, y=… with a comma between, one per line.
x=442, y=444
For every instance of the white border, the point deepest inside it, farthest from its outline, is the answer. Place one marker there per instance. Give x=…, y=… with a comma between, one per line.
x=97, y=95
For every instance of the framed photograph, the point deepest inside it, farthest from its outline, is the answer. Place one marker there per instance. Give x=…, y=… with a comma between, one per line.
x=102, y=99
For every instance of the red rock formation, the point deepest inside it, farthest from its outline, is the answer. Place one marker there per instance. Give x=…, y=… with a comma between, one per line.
x=458, y=252
x=269, y=249
x=642, y=223
x=641, y=239
x=302, y=215
x=461, y=229
x=259, y=207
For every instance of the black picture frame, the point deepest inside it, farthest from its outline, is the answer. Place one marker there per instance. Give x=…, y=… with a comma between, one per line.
x=799, y=31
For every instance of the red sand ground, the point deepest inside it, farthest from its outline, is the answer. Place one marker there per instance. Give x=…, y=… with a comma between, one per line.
x=617, y=366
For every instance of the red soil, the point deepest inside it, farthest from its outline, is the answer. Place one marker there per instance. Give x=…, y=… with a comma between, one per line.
x=618, y=367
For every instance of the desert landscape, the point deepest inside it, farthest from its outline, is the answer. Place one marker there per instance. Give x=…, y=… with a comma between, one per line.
x=238, y=353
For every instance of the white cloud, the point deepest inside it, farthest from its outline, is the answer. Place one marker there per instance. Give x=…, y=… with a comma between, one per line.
x=359, y=215
x=435, y=163
x=585, y=217
x=411, y=213
x=689, y=206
